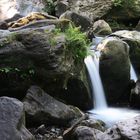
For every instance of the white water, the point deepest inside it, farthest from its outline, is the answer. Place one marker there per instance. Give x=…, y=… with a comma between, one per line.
x=101, y=110
x=97, y=88
x=133, y=73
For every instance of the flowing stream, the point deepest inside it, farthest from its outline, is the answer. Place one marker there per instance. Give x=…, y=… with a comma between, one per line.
x=133, y=73
x=101, y=110
x=97, y=88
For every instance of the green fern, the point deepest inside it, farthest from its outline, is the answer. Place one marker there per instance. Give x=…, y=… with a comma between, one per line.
x=77, y=43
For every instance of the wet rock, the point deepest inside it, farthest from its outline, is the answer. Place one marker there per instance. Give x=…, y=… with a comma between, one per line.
x=124, y=130
x=3, y=25
x=78, y=20
x=92, y=9
x=114, y=69
x=138, y=26
x=72, y=95
x=61, y=7
x=122, y=12
x=18, y=49
x=42, y=108
x=37, y=56
x=93, y=124
x=81, y=133
x=107, y=9
x=101, y=27
x=111, y=134
x=135, y=96
x=12, y=120
x=133, y=40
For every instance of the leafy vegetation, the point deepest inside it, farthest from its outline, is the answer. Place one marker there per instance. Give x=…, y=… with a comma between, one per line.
x=49, y=6
x=77, y=43
x=124, y=3
x=22, y=73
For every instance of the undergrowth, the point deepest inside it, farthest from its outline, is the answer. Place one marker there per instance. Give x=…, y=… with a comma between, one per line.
x=77, y=44
x=124, y=3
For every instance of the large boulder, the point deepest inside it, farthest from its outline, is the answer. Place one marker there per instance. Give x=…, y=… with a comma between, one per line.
x=61, y=7
x=12, y=120
x=40, y=57
x=125, y=11
x=101, y=27
x=133, y=40
x=92, y=9
x=123, y=130
x=8, y=8
x=114, y=69
x=120, y=13
x=81, y=133
x=83, y=21
x=107, y=9
x=41, y=108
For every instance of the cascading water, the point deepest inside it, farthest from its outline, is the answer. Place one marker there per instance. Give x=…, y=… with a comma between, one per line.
x=92, y=66
x=133, y=73
x=101, y=110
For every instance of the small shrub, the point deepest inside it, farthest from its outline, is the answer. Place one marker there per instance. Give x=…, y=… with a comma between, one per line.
x=76, y=43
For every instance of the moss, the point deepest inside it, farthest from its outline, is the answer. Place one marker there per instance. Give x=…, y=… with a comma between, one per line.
x=125, y=3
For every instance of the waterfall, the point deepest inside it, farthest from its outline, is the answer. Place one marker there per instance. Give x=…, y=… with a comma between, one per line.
x=92, y=65
x=133, y=73
x=101, y=111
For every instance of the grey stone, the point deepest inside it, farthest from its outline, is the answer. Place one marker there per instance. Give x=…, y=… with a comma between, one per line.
x=114, y=69
x=79, y=20
x=61, y=7
x=123, y=130
x=133, y=40
x=12, y=121
x=37, y=56
x=101, y=27
x=42, y=108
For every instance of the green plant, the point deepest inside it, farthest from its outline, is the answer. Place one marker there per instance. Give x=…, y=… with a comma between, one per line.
x=117, y=3
x=77, y=43
x=24, y=74
x=124, y=3
x=49, y=6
